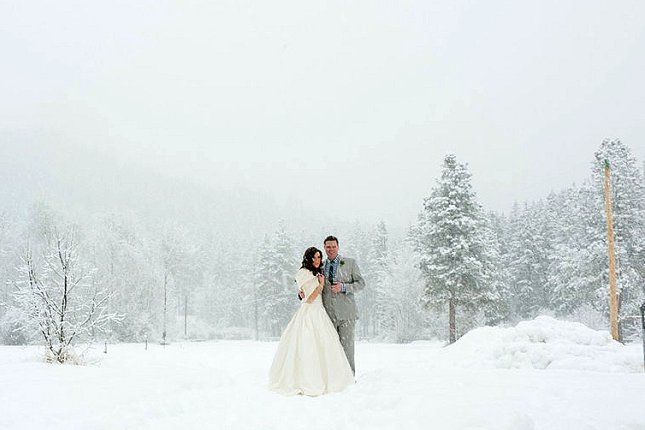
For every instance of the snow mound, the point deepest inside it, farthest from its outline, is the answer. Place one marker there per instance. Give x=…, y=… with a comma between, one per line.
x=544, y=343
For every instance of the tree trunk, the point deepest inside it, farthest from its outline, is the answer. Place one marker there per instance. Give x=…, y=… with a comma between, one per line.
x=452, y=328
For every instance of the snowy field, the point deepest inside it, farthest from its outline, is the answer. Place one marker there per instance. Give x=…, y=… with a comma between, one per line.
x=542, y=374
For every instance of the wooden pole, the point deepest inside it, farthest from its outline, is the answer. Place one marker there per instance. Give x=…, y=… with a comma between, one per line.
x=613, y=303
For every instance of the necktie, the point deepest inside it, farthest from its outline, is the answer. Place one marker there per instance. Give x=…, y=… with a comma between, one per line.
x=332, y=271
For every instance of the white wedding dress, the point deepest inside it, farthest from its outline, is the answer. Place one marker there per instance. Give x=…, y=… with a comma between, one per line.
x=310, y=359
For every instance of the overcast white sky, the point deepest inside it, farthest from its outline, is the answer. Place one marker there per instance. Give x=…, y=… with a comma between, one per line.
x=362, y=98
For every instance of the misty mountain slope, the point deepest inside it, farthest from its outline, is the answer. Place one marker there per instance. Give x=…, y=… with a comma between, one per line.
x=86, y=183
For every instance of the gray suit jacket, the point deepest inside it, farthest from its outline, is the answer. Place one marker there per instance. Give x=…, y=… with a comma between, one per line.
x=341, y=306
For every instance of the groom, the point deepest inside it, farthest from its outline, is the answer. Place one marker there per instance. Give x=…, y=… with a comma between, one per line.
x=342, y=280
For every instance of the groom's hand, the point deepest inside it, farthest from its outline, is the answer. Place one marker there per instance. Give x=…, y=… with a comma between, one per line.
x=336, y=287
x=301, y=295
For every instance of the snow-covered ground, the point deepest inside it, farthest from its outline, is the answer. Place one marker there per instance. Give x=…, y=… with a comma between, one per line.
x=542, y=374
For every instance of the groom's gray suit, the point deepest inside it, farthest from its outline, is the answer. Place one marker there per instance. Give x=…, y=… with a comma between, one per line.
x=341, y=307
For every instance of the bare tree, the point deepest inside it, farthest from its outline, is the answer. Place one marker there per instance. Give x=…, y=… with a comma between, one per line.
x=59, y=298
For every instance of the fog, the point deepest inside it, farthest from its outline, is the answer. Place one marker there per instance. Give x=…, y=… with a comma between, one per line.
x=322, y=110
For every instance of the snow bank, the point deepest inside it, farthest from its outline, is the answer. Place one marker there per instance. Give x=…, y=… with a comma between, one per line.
x=544, y=343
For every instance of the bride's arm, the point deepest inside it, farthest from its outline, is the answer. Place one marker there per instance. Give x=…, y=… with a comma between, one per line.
x=313, y=295
x=317, y=290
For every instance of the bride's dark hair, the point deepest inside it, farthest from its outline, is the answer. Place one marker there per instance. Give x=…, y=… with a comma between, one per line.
x=308, y=260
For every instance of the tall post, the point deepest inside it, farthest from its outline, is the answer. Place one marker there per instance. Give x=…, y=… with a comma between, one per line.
x=613, y=303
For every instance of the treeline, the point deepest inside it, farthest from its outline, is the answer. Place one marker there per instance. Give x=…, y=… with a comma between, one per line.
x=135, y=278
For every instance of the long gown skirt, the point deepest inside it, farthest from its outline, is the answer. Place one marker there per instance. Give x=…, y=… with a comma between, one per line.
x=310, y=359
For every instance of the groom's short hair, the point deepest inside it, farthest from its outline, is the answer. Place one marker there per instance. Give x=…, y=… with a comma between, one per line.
x=331, y=239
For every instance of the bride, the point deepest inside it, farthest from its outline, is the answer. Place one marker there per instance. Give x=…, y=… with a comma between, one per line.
x=310, y=359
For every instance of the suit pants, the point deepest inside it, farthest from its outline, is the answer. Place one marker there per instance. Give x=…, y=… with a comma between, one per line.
x=345, y=329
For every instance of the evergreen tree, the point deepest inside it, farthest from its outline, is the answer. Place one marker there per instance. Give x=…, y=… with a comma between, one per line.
x=380, y=293
x=276, y=284
x=400, y=306
x=497, y=308
x=529, y=249
x=10, y=321
x=457, y=266
x=561, y=209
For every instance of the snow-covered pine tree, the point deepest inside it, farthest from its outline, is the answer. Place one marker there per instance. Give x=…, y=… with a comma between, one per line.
x=9, y=320
x=454, y=258
x=563, y=275
x=529, y=250
x=497, y=308
x=277, y=288
x=378, y=298
x=400, y=296
x=262, y=283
